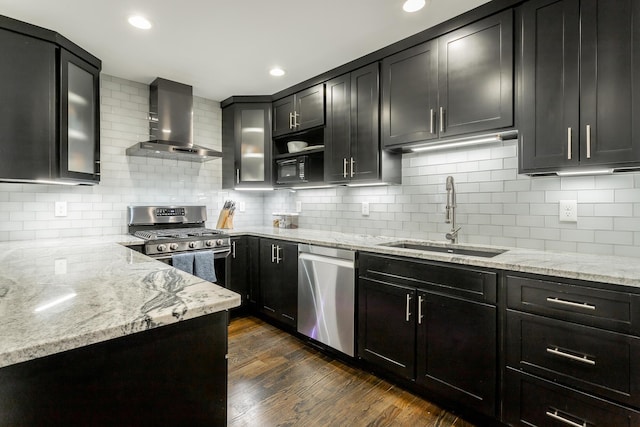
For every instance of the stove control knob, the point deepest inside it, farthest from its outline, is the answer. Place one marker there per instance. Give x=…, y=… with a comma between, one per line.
x=219, y=242
x=173, y=246
x=162, y=248
x=192, y=245
x=209, y=243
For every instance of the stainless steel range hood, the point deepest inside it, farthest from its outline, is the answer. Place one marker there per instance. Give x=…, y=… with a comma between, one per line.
x=171, y=125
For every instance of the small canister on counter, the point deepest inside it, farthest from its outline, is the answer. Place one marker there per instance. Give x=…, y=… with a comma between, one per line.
x=285, y=220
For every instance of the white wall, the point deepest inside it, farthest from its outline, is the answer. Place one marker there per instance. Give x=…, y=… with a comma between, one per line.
x=495, y=204
x=27, y=210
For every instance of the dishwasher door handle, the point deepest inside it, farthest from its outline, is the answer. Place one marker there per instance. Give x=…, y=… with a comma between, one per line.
x=327, y=260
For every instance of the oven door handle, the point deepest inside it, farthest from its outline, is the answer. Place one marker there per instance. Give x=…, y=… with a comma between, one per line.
x=217, y=254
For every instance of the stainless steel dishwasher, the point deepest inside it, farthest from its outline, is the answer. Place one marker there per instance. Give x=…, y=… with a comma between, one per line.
x=326, y=296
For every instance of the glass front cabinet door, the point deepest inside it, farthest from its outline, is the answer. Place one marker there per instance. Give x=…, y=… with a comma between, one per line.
x=79, y=119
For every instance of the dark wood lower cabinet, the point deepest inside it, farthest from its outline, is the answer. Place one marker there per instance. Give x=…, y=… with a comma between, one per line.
x=171, y=375
x=531, y=401
x=457, y=350
x=279, y=280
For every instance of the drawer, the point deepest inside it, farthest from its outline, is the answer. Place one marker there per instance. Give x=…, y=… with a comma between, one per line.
x=466, y=282
x=618, y=311
x=600, y=362
x=533, y=401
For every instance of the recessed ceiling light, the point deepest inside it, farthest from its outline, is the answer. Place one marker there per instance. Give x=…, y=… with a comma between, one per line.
x=413, y=5
x=140, y=22
x=276, y=71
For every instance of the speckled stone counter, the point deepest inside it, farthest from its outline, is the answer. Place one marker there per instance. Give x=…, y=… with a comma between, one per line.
x=596, y=268
x=67, y=293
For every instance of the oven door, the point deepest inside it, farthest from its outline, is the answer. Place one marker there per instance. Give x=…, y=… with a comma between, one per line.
x=219, y=262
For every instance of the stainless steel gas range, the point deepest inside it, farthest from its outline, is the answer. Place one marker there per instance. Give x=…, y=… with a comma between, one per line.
x=173, y=231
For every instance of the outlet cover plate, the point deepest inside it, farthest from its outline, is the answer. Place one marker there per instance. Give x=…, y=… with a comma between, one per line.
x=298, y=206
x=60, y=209
x=568, y=211
x=365, y=208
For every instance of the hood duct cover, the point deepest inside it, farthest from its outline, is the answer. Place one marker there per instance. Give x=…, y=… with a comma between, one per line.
x=171, y=125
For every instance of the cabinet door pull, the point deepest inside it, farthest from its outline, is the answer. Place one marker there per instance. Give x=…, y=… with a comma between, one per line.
x=278, y=257
x=583, y=359
x=273, y=253
x=344, y=167
x=568, y=143
x=420, y=316
x=295, y=119
x=237, y=176
x=588, y=141
x=233, y=249
x=432, y=122
x=353, y=162
x=441, y=119
x=584, y=305
x=408, y=311
x=554, y=413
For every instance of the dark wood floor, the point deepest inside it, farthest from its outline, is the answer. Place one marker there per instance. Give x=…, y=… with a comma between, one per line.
x=276, y=380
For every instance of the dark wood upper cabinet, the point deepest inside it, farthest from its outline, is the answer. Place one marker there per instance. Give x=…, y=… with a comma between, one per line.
x=410, y=95
x=475, y=77
x=246, y=145
x=49, y=108
x=351, y=137
x=460, y=83
x=301, y=111
x=580, y=84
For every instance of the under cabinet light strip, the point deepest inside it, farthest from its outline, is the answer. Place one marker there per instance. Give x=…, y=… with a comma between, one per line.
x=443, y=145
x=586, y=172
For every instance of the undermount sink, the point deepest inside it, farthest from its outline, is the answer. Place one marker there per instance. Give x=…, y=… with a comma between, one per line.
x=479, y=252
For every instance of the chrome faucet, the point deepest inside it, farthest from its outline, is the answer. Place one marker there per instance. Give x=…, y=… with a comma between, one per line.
x=450, y=211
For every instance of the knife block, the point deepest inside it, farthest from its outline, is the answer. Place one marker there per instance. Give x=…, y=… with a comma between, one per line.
x=225, y=219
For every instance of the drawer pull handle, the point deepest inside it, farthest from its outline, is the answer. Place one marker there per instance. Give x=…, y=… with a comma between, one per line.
x=553, y=413
x=408, y=310
x=582, y=359
x=571, y=303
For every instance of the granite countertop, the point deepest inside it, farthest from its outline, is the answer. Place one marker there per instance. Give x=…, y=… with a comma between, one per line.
x=596, y=268
x=67, y=293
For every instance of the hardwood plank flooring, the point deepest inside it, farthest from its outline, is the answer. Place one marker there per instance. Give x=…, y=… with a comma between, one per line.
x=276, y=380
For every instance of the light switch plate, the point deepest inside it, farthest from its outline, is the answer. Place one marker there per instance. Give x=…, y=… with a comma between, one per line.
x=365, y=208
x=298, y=206
x=568, y=211
x=60, y=266
x=60, y=209
x=242, y=206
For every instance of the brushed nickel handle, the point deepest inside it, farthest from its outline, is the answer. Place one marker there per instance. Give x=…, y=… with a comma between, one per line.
x=269, y=308
x=408, y=310
x=420, y=316
x=344, y=167
x=278, y=257
x=233, y=249
x=291, y=125
x=584, y=305
x=273, y=253
x=432, y=122
x=583, y=359
x=441, y=119
x=353, y=162
x=588, y=141
x=295, y=119
x=553, y=413
x=568, y=143
x=237, y=176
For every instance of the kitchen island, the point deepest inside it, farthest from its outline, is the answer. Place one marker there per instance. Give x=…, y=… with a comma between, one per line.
x=96, y=333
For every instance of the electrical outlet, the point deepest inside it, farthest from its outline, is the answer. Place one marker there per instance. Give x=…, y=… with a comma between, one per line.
x=60, y=209
x=298, y=206
x=365, y=208
x=60, y=266
x=242, y=206
x=568, y=211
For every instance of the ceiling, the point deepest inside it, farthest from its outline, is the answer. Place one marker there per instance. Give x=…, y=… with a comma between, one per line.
x=226, y=47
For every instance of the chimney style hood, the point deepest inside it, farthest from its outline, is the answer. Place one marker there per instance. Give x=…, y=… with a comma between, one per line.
x=171, y=125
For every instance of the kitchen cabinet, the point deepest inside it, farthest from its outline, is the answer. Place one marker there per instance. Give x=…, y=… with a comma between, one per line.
x=300, y=111
x=279, y=280
x=431, y=323
x=579, y=78
x=49, y=112
x=239, y=265
x=246, y=145
x=460, y=83
x=351, y=137
x=572, y=351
